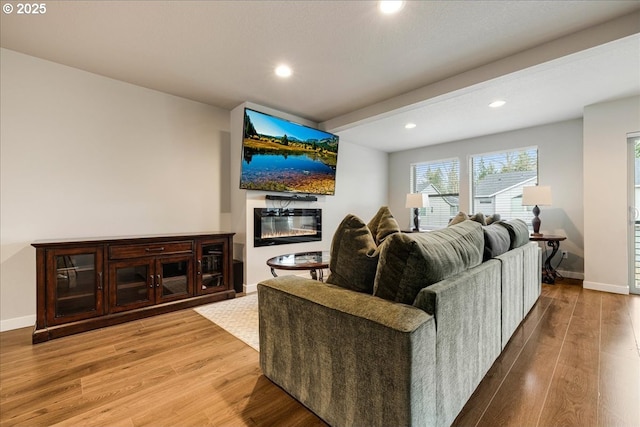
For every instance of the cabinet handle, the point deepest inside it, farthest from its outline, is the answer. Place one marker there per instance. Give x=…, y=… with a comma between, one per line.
x=100, y=280
x=151, y=281
x=199, y=267
x=157, y=281
x=160, y=249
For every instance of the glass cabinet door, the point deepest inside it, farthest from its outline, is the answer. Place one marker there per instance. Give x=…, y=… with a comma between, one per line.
x=132, y=284
x=211, y=267
x=74, y=284
x=173, y=278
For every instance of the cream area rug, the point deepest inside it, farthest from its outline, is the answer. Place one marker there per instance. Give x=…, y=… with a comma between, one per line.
x=238, y=316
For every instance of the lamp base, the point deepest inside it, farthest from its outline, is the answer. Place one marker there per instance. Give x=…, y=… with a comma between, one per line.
x=416, y=219
x=535, y=222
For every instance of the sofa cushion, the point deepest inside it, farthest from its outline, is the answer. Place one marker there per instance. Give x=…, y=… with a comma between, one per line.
x=410, y=262
x=496, y=241
x=354, y=257
x=383, y=224
x=518, y=232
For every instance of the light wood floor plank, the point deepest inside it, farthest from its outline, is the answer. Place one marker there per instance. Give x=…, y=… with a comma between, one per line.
x=572, y=399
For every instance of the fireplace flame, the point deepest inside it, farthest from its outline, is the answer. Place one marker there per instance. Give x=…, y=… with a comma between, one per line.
x=282, y=226
x=288, y=233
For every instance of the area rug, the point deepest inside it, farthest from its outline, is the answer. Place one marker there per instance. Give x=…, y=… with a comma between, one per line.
x=238, y=316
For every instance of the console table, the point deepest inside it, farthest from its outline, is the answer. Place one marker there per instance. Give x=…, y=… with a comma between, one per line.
x=549, y=274
x=91, y=283
x=314, y=261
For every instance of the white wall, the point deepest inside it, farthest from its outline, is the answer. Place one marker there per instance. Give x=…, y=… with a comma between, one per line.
x=87, y=156
x=559, y=165
x=361, y=188
x=606, y=237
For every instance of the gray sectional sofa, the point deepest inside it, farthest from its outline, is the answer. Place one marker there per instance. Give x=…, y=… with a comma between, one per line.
x=412, y=349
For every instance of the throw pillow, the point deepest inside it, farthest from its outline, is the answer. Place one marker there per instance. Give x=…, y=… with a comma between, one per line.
x=490, y=219
x=496, y=241
x=479, y=218
x=518, y=232
x=383, y=224
x=461, y=216
x=410, y=262
x=354, y=257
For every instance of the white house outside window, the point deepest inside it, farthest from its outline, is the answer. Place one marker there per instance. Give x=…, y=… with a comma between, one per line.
x=498, y=179
x=441, y=181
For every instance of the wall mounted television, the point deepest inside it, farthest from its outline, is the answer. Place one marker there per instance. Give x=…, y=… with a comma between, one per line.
x=282, y=156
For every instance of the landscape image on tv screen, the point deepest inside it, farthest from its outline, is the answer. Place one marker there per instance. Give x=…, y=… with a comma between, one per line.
x=279, y=155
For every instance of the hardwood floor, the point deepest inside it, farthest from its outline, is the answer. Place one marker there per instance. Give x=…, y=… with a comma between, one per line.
x=574, y=361
x=176, y=369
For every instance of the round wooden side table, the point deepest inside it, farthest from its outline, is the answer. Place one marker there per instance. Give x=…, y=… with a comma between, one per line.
x=549, y=274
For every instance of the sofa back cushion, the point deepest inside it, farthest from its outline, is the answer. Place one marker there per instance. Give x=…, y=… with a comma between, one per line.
x=518, y=232
x=354, y=256
x=410, y=262
x=496, y=241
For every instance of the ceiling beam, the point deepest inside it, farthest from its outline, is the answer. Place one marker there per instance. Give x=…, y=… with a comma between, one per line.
x=615, y=29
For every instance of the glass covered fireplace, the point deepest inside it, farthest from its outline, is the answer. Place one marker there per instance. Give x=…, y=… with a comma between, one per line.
x=275, y=226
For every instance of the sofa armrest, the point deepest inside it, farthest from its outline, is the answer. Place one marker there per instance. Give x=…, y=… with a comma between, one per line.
x=352, y=358
x=468, y=332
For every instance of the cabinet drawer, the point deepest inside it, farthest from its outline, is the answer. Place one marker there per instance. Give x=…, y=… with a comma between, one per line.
x=152, y=249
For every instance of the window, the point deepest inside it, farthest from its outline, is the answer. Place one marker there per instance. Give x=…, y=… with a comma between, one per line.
x=497, y=181
x=440, y=180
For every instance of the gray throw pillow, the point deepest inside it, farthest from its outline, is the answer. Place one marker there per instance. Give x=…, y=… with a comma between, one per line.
x=490, y=219
x=518, y=232
x=496, y=241
x=354, y=256
x=479, y=218
x=410, y=262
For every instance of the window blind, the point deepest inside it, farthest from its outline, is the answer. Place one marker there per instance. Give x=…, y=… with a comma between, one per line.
x=441, y=181
x=497, y=182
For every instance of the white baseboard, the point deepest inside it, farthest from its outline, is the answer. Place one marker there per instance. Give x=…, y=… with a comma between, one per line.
x=17, y=323
x=606, y=287
x=571, y=274
x=249, y=289
x=303, y=273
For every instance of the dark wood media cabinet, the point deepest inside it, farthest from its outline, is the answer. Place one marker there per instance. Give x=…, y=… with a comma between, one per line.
x=92, y=283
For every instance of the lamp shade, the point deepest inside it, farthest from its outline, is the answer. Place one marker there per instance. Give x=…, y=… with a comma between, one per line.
x=538, y=195
x=417, y=200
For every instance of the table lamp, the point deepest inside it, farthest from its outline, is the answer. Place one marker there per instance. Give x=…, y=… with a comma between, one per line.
x=417, y=201
x=538, y=195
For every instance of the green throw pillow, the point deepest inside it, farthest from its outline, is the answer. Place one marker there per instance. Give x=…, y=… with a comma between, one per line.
x=383, y=224
x=354, y=256
x=461, y=216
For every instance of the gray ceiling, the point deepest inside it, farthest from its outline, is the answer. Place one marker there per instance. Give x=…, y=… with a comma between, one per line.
x=357, y=72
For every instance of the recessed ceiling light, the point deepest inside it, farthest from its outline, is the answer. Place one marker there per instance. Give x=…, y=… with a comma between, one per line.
x=283, y=71
x=409, y=125
x=391, y=6
x=498, y=103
